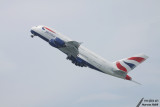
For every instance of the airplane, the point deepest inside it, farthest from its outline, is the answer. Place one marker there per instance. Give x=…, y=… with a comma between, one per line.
x=81, y=56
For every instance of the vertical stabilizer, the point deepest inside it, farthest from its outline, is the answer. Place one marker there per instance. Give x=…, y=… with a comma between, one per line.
x=128, y=64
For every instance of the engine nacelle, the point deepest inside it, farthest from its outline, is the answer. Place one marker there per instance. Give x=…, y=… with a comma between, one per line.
x=57, y=42
x=51, y=42
x=77, y=61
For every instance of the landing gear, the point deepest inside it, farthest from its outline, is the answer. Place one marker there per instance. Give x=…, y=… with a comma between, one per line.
x=32, y=36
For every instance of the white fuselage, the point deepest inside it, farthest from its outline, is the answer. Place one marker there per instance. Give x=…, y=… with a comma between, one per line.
x=85, y=54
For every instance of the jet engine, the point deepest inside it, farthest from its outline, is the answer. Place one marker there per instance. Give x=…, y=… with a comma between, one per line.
x=57, y=42
x=77, y=61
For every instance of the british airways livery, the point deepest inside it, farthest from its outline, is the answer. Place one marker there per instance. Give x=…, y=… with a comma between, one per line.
x=81, y=56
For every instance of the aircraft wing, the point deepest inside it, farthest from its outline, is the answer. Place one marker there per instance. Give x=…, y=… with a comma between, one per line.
x=71, y=48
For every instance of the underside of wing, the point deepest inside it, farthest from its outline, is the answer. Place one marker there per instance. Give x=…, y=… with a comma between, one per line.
x=71, y=48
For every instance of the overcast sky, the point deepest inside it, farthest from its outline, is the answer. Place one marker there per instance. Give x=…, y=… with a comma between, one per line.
x=34, y=74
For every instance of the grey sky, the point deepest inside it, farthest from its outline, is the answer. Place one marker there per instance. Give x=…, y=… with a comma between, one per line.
x=34, y=74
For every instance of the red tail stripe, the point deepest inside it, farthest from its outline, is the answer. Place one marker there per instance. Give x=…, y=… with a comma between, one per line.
x=49, y=29
x=138, y=59
x=128, y=77
x=120, y=66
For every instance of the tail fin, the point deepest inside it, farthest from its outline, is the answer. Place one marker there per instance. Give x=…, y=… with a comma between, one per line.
x=130, y=63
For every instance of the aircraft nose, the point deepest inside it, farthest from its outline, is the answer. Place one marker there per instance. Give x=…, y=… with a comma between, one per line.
x=33, y=30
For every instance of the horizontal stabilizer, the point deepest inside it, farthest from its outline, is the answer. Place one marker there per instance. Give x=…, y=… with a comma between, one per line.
x=120, y=73
x=136, y=82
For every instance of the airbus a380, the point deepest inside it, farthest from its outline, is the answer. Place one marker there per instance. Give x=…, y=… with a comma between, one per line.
x=81, y=56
